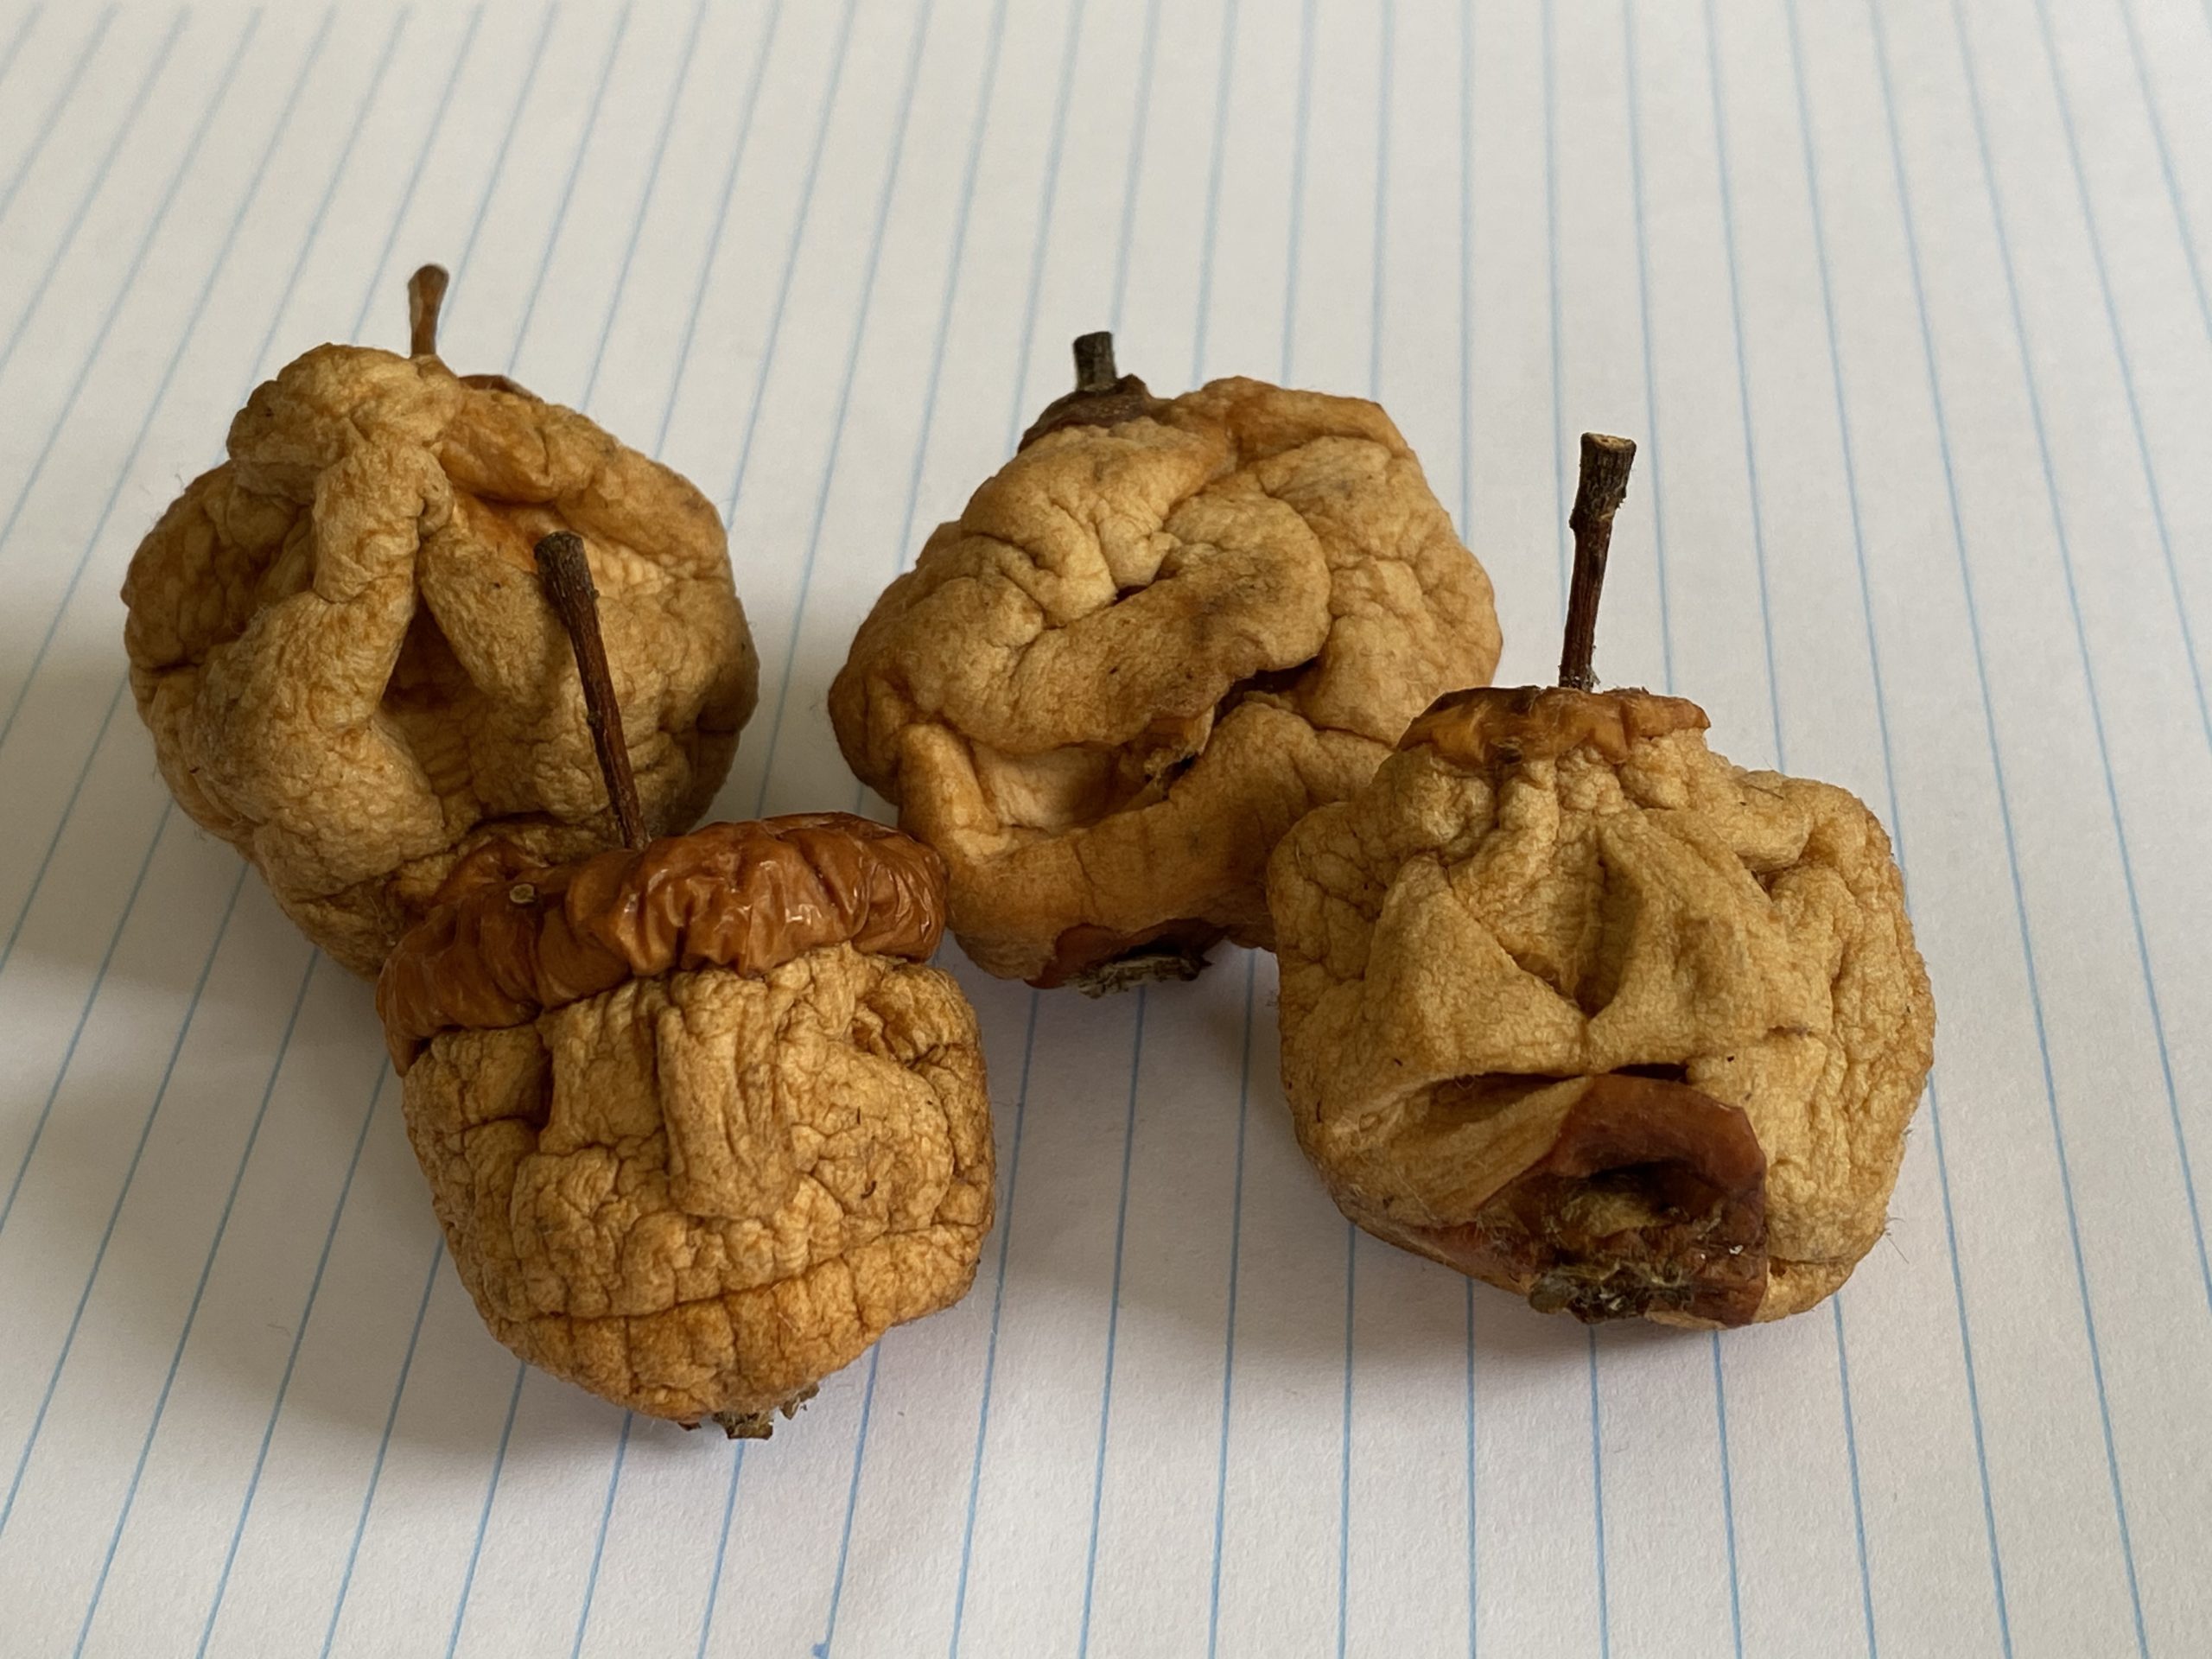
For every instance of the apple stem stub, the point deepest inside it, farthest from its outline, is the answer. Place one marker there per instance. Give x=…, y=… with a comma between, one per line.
x=426, y=293
x=1094, y=362
x=1597, y=496
x=567, y=576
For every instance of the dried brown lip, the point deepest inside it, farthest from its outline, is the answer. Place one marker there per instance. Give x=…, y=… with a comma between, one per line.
x=1652, y=1199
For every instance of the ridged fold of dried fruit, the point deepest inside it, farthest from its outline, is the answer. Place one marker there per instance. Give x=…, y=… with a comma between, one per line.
x=700, y=1123
x=338, y=639
x=1153, y=640
x=1572, y=1004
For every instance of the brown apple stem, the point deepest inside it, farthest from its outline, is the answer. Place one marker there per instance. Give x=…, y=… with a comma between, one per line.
x=1094, y=362
x=1597, y=496
x=567, y=577
x=426, y=293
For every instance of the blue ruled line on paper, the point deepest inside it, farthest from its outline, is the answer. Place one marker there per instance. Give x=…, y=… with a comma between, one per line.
x=1113, y=1329
x=1759, y=558
x=291, y=1361
x=1851, y=1454
x=1655, y=473
x=686, y=58
x=612, y=50
x=137, y=1151
x=1597, y=1500
x=1300, y=142
x=376, y=278
x=599, y=1540
x=814, y=540
x=191, y=151
x=1343, y=1468
x=484, y=1514
x=2181, y=616
x=1209, y=238
x=360, y=1140
x=1048, y=190
x=607, y=329
x=1467, y=535
x=1782, y=762
x=49, y=123
x=852, y=1501
x=790, y=261
x=1560, y=536
x=1848, y=456
x=459, y=270
x=132, y=111
x=383, y=1447
x=53, y=845
x=216, y=101
x=1224, y=78
x=84, y=1013
x=185, y=337
x=991, y=1344
x=2185, y=232
x=1229, y=1312
x=747, y=106
x=457, y=294
x=611, y=53
x=1552, y=283
x=107, y=321
x=1510, y=221
x=2112, y=795
x=1048, y=195
x=721, y=1545
x=885, y=195
x=2004, y=810
x=8, y=57
x=199, y=1294
x=1385, y=62
x=954, y=266
x=1386, y=47
x=1139, y=124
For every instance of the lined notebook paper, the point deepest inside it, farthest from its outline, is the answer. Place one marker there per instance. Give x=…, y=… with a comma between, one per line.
x=1908, y=306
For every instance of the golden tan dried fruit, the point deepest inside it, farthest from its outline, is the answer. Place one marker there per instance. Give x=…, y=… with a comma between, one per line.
x=700, y=1123
x=340, y=645
x=1153, y=641
x=1572, y=1004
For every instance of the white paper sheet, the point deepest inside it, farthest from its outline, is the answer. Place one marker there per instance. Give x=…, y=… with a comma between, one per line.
x=1909, y=308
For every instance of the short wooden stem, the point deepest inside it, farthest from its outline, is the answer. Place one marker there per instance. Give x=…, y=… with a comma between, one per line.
x=1597, y=496
x=1094, y=362
x=567, y=576
x=426, y=293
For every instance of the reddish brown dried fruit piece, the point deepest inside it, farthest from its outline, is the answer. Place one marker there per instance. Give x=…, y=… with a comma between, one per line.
x=1650, y=1199
x=1162, y=633
x=699, y=1124
x=348, y=668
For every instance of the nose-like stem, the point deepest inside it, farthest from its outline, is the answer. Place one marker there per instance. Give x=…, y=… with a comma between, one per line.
x=1094, y=362
x=426, y=293
x=567, y=576
x=1597, y=496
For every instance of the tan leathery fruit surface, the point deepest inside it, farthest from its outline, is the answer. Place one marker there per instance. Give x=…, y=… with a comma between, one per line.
x=1144, y=650
x=1602, y=895
x=338, y=639
x=701, y=1193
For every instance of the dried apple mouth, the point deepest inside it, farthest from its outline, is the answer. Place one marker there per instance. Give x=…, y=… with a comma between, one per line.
x=1651, y=1199
x=1099, y=959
